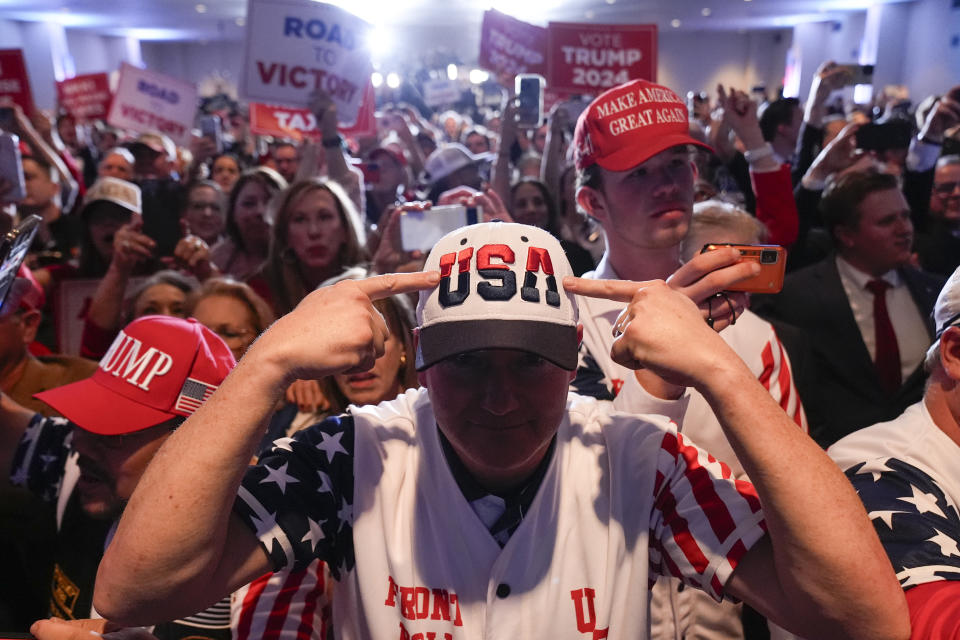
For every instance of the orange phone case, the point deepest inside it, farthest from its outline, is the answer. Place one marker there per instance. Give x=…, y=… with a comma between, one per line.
x=772, y=259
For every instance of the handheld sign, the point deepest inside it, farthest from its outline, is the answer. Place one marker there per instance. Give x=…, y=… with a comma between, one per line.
x=85, y=97
x=591, y=58
x=14, y=84
x=150, y=101
x=297, y=46
x=300, y=124
x=509, y=46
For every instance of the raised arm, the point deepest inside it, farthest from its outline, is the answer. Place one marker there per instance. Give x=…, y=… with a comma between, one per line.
x=821, y=571
x=178, y=547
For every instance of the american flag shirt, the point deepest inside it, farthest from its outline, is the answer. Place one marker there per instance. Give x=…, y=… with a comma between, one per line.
x=905, y=472
x=623, y=500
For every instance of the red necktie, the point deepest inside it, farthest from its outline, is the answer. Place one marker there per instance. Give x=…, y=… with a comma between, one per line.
x=888, y=354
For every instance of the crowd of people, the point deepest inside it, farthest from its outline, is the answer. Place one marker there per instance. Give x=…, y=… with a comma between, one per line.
x=303, y=446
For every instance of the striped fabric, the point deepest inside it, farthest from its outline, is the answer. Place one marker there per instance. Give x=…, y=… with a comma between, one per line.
x=292, y=605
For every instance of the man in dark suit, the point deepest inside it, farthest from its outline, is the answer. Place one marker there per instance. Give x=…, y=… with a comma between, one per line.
x=866, y=311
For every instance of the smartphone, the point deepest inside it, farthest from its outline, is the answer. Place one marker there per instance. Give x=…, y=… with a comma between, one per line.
x=13, y=249
x=162, y=201
x=8, y=119
x=893, y=134
x=211, y=127
x=11, y=168
x=529, y=90
x=420, y=230
x=772, y=260
x=858, y=73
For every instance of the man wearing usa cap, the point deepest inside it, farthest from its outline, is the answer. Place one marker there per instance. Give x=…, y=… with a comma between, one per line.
x=906, y=474
x=493, y=503
x=636, y=177
x=157, y=372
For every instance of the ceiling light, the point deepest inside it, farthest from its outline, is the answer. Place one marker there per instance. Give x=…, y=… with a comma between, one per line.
x=478, y=76
x=705, y=12
x=611, y=1
x=452, y=71
x=393, y=80
x=675, y=23
x=201, y=8
x=376, y=78
x=240, y=21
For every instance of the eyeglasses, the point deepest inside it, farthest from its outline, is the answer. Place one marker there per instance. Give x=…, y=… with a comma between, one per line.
x=945, y=188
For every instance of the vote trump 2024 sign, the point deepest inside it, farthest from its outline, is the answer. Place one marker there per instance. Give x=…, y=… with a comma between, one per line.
x=591, y=58
x=297, y=46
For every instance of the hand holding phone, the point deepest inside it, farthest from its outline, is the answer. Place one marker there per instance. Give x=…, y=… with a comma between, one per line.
x=529, y=90
x=420, y=230
x=212, y=128
x=857, y=73
x=772, y=261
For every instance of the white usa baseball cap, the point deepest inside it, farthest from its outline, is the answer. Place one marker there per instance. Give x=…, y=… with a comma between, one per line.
x=946, y=312
x=501, y=287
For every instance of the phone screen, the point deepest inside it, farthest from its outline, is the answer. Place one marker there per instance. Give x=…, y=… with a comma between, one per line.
x=529, y=90
x=420, y=230
x=14, y=250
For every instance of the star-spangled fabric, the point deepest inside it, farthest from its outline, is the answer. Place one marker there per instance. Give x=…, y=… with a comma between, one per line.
x=918, y=524
x=905, y=472
x=40, y=456
x=312, y=475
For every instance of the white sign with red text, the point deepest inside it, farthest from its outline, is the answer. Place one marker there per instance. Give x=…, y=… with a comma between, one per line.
x=297, y=46
x=150, y=101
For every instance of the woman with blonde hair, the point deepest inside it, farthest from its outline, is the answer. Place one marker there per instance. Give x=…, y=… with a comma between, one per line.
x=317, y=234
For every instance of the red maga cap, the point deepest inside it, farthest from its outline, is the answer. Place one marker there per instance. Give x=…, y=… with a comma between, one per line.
x=159, y=367
x=630, y=124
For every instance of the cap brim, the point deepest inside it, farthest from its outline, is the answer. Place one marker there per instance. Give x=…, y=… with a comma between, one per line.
x=557, y=343
x=631, y=155
x=94, y=408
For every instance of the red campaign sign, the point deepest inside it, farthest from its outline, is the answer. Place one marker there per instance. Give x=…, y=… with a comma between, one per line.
x=509, y=46
x=300, y=124
x=13, y=79
x=85, y=97
x=591, y=58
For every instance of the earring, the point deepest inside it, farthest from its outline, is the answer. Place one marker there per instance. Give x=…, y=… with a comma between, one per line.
x=403, y=359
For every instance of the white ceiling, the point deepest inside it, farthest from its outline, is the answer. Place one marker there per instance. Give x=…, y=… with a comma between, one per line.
x=224, y=19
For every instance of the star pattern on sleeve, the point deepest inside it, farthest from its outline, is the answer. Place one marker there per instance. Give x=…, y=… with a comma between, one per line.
x=917, y=522
x=39, y=459
x=299, y=498
x=330, y=445
x=279, y=477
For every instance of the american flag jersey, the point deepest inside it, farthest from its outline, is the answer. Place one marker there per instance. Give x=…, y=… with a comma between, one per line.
x=905, y=472
x=676, y=613
x=623, y=499
x=288, y=605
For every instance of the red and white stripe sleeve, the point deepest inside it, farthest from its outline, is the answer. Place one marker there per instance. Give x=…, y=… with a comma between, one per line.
x=703, y=519
x=287, y=605
x=777, y=378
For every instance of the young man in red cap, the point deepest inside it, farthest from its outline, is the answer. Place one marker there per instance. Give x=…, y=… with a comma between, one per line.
x=493, y=503
x=158, y=371
x=635, y=175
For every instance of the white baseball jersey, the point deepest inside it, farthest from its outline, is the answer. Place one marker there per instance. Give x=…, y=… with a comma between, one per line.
x=905, y=472
x=675, y=612
x=623, y=499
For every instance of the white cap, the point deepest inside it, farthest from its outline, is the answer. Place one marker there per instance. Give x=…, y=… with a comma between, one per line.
x=126, y=194
x=449, y=158
x=501, y=287
x=946, y=313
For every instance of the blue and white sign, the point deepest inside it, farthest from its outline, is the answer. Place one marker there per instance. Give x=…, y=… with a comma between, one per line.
x=297, y=46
